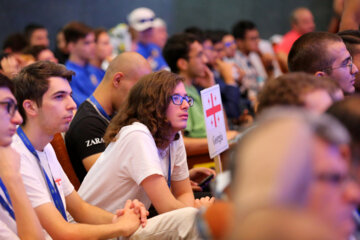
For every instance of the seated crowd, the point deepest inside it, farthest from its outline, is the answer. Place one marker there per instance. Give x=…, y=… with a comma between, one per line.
x=131, y=121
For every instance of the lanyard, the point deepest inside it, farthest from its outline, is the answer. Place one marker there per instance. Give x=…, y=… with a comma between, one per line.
x=169, y=172
x=99, y=107
x=53, y=190
x=3, y=203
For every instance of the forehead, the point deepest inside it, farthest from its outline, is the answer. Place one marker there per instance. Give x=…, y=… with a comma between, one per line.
x=6, y=94
x=180, y=88
x=40, y=31
x=228, y=38
x=57, y=84
x=252, y=33
x=338, y=51
x=195, y=47
x=328, y=157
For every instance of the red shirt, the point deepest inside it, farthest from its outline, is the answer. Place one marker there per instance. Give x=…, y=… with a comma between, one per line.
x=287, y=42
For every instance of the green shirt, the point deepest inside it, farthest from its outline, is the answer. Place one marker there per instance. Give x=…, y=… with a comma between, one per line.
x=196, y=123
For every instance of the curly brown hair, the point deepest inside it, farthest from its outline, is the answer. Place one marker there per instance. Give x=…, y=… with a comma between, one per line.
x=290, y=88
x=147, y=103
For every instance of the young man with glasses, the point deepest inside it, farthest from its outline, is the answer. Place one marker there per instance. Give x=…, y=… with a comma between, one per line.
x=17, y=217
x=324, y=54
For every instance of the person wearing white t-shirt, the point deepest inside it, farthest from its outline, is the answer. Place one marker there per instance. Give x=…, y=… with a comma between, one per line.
x=145, y=157
x=45, y=103
x=14, y=202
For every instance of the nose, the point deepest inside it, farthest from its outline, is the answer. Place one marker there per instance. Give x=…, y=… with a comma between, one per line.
x=354, y=69
x=205, y=59
x=184, y=105
x=71, y=104
x=352, y=193
x=16, y=119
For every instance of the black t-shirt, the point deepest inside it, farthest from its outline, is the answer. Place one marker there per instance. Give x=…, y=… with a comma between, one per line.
x=85, y=136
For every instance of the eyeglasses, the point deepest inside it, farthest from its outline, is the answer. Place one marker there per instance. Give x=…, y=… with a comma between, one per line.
x=178, y=99
x=144, y=20
x=11, y=107
x=349, y=64
x=334, y=178
x=229, y=44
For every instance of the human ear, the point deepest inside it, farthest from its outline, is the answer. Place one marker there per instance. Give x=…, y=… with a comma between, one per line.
x=320, y=74
x=117, y=78
x=30, y=107
x=182, y=64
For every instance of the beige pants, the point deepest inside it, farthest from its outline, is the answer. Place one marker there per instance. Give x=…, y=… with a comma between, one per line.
x=177, y=224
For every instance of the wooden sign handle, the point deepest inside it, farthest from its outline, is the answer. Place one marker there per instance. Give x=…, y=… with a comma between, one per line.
x=218, y=167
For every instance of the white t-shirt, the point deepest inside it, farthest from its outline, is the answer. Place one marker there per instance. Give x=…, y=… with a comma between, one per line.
x=117, y=174
x=8, y=229
x=33, y=177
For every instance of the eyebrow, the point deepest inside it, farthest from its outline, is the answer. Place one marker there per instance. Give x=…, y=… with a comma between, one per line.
x=9, y=98
x=61, y=92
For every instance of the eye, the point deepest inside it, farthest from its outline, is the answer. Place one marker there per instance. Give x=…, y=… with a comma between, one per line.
x=59, y=96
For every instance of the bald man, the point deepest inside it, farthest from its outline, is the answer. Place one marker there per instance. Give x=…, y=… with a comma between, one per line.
x=302, y=21
x=84, y=139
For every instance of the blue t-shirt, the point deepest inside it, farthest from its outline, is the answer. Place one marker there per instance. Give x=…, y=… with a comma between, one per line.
x=85, y=81
x=152, y=53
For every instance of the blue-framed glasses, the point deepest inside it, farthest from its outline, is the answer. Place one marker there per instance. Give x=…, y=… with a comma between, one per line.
x=11, y=106
x=178, y=99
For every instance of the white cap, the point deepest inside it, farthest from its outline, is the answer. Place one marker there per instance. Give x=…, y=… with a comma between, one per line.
x=141, y=19
x=158, y=22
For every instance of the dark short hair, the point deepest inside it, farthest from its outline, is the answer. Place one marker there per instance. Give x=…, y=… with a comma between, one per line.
x=33, y=81
x=240, y=28
x=198, y=32
x=16, y=42
x=5, y=82
x=309, y=53
x=289, y=89
x=30, y=29
x=216, y=36
x=73, y=31
x=176, y=47
x=351, y=39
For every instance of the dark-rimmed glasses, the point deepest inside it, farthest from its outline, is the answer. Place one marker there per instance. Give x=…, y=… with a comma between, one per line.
x=11, y=107
x=178, y=99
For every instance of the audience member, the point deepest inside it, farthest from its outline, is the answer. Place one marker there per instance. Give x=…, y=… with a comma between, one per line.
x=297, y=170
x=300, y=89
x=145, y=154
x=160, y=34
x=142, y=21
x=302, y=21
x=185, y=56
x=84, y=139
x=17, y=217
x=103, y=50
x=351, y=39
x=36, y=34
x=80, y=41
x=44, y=96
x=61, y=52
x=324, y=54
x=247, y=58
x=41, y=53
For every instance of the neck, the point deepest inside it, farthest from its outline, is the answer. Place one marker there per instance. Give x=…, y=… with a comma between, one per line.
x=103, y=96
x=37, y=136
x=244, y=51
x=188, y=81
x=79, y=61
x=96, y=62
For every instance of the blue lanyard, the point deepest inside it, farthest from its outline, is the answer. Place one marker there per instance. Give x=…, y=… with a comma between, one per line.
x=53, y=190
x=99, y=107
x=169, y=172
x=3, y=203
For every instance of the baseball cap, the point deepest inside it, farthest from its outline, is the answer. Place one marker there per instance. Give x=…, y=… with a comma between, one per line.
x=141, y=19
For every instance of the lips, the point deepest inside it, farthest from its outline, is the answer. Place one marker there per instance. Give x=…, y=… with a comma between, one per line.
x=68, y=118
x=184, y=116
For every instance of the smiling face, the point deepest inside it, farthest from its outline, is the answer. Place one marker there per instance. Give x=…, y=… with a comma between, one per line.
x=56, y=110
x=342, y=69
x=177, y=115
x=7, y=122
